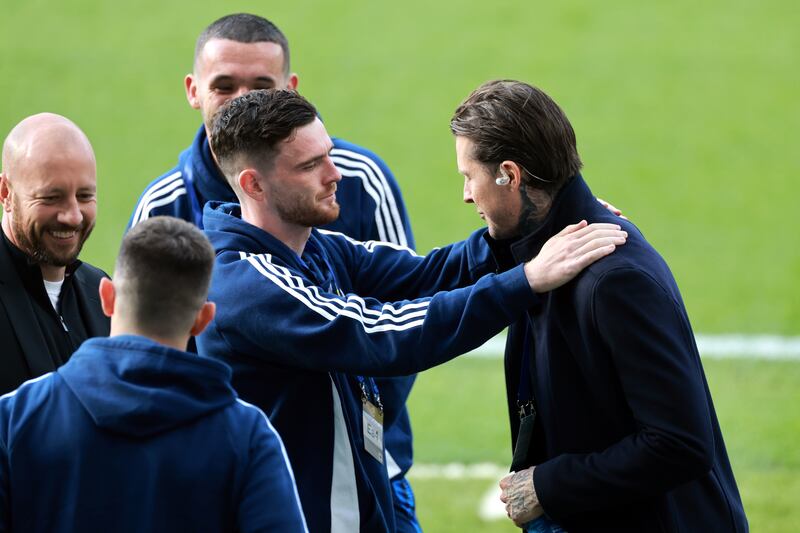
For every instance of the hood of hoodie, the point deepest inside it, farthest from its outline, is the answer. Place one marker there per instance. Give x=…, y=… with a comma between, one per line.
x=224, y=227
x=199, y=167
x=135, y=386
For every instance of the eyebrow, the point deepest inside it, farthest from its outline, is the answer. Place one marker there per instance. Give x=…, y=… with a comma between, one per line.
x=315, y=158
x=226, y=77
x=60, y=190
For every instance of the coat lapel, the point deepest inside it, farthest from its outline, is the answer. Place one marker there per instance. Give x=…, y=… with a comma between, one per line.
x=19, y=307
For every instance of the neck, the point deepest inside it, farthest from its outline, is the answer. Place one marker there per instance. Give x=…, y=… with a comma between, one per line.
x=292, y=235
x=52, y=273
x=535, y=205
x=120, y=327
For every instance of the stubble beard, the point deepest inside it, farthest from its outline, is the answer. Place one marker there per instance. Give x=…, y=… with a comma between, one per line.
x=31, y=241
x=297, y=212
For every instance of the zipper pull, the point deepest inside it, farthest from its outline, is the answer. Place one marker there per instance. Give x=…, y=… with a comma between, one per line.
x=64, y=324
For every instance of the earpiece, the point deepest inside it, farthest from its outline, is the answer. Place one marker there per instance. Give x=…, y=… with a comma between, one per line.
x=503, y=179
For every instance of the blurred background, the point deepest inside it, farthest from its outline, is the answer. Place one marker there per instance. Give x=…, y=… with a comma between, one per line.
x=687, y=118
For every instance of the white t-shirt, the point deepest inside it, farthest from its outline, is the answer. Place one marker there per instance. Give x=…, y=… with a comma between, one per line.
x=53, y=289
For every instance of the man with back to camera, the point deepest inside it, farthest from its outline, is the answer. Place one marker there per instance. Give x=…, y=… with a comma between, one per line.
x=611, y=417
x=322, y=311
x=133, y=433
x=234, y=55
x=48, y=298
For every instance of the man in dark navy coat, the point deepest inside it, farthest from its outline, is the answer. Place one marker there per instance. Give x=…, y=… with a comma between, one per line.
x=612, y=422
x=49, y=302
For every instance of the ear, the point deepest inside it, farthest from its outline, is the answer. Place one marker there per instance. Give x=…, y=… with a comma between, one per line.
x=5, y=193
x=249, y=181
x=108, y=296
x=204, y=316
x=190, y=84
x=513, y=171
x=292, y=83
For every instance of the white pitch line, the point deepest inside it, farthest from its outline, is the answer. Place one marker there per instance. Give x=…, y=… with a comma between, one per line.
x=457, y=471
x=731, y=346
x=490, y=508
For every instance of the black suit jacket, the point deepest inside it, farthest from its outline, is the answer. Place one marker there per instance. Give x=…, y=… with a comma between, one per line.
x=626, y=437
x=23, y=353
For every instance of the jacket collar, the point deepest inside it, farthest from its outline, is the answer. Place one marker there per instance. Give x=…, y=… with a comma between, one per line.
x=228, y=232
x=29, y=270
x=200, y=168
x=570, y=202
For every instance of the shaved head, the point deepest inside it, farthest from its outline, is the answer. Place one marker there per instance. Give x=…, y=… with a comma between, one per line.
x=47, y=188
x=40, y=137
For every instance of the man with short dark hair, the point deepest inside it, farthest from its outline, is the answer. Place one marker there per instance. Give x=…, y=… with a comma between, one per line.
x=611, y=418
x=133, y=433
x=48, y=298
x=241, y=52
x=305, y=316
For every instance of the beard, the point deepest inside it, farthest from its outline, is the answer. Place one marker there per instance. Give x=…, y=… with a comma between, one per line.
x=301, y=210
x=30, y=239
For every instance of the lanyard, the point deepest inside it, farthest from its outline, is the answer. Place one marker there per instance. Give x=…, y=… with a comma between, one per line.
x=525, y=401
x=369, y=389
x=373, y=395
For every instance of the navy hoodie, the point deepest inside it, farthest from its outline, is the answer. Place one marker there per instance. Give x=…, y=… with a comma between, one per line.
x=372, y=209
x=298, y=331
x=131, y=435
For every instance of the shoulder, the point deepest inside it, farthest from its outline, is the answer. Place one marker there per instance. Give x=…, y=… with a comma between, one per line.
x=90, y=275
x=18, y=406
x=354, y=160
x=161, y=196
x=252, y=417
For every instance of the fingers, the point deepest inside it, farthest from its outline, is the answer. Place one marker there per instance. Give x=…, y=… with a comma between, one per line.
x=601, y=240
x=581, y=230
x=592, y=256
x=573, y=228
x=506, y=481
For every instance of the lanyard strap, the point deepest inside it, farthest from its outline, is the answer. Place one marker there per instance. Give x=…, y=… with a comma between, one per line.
x=373, y=395
x=369, y=389
x=525, y=400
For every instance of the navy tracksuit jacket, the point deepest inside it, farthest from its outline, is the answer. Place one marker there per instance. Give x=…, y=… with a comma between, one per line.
x=298, y=331
x=130, y=436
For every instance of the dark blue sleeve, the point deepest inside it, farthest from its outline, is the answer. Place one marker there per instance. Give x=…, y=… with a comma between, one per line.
x=652, y=347
x=289, y=321
x=390, y=272
x=5, y=510
x=269, y=499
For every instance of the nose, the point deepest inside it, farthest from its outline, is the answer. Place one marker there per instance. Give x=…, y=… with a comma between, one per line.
x=467, y=193
x=70, y=214
x=241, y=91
x=332, y=174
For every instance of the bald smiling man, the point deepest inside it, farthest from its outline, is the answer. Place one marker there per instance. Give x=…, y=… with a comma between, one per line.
x=49, y=300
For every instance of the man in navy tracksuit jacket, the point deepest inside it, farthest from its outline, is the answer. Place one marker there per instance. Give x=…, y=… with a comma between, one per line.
x=136, y=435
x=237, y=50
x=611, y=418
x=304, y=314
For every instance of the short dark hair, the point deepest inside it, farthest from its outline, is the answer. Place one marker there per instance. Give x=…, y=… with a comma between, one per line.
x=244, y=28
x=512, y=120
x=162, y=275
x=248, y=129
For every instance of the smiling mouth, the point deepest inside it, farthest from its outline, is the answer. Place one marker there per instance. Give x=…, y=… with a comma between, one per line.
x=63, y=235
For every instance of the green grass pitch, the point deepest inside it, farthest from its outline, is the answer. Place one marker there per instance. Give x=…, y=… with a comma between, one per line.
x=687, y=116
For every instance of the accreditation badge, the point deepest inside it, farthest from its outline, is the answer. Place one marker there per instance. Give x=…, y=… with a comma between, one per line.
x=372, y=420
